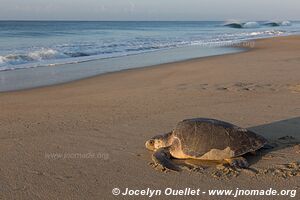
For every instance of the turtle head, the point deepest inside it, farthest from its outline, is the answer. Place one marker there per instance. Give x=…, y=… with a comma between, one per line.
x=158, y=142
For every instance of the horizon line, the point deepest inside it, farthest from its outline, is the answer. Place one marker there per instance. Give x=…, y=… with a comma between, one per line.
x=79, y=20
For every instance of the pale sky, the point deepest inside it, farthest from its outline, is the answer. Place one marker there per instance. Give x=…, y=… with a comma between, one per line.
x=149, y=9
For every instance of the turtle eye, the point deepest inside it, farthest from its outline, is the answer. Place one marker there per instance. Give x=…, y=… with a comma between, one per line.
x=151, y=142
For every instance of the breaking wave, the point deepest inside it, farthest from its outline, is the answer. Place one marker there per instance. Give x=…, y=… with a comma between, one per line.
x=43, y=54
x=238, y=24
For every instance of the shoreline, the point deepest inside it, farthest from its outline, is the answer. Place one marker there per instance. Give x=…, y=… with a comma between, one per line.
x=112, y=115
x=39, y=77
x=239, y=49
x=127, y=70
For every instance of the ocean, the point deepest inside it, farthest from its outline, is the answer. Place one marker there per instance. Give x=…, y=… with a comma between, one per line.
x=33, y=51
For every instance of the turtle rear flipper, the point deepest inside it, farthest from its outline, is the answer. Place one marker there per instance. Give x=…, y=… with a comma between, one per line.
x=162, y=157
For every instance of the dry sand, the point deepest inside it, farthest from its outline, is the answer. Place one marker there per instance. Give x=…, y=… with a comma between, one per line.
x=97, y=127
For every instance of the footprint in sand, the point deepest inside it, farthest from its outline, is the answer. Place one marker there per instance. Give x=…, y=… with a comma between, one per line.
x=202, y=86
x=184, y=86
x=245, y=86
x=223, y=88
x=295, y=88
x=285, y=170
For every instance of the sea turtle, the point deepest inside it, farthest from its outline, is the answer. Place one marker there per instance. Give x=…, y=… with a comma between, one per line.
x=204, y=139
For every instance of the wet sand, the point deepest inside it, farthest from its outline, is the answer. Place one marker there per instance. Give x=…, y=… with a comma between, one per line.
x=82, y=139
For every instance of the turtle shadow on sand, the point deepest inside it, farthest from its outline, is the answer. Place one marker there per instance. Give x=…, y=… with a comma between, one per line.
x=281, y=134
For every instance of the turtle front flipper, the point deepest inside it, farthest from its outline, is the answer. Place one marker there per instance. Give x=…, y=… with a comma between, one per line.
x=162, y=157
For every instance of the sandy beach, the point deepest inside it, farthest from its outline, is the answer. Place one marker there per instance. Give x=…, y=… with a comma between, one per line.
x=82, y=139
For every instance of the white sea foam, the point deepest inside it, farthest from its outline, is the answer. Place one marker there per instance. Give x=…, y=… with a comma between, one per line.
x=286, y=23
x=1, y=59
x=251, y=25
x=43, y=54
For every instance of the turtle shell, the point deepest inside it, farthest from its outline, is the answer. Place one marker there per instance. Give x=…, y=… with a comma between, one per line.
x=200, y=136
